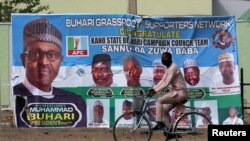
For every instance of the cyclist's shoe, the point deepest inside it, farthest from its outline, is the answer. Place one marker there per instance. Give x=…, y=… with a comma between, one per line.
x=170, y=136
x=159, y=126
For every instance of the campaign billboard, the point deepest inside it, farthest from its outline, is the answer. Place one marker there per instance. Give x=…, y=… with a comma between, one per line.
x=81, y=70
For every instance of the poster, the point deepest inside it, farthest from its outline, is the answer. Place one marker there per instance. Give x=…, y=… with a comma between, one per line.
x=62, y=63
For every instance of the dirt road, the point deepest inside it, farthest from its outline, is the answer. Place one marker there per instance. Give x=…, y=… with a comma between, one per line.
x=72, y=134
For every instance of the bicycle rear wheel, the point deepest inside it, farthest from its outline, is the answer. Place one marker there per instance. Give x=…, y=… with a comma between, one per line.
x=192, y=126
x=130, y=130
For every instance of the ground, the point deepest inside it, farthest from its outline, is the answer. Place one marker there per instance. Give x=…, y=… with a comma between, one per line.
x=8, y=133
x=73, y=134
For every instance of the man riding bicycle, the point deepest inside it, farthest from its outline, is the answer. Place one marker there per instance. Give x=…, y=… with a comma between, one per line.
x=178, y=93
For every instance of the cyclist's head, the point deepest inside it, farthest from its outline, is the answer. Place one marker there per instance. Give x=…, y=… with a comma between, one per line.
x=166, y=59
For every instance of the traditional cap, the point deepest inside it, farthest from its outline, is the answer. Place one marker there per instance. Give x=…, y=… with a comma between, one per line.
x=98, y=103
x=158, y=63
x=127, y=103
x=233, y=107
x=226, y=57
x=206, y=110
x=101, y=58
x=41, y=30
x=190, y=63
x=151, y=104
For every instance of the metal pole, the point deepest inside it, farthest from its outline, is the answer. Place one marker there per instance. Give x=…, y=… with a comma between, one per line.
x=0, y=101
x=132, y=6
x=242, y=91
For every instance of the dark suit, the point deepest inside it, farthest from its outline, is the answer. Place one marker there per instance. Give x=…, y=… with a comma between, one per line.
x=64, y=109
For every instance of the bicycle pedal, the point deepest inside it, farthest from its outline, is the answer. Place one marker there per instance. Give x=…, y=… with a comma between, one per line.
x=166, y=129
x=159, y=127
x=145, y=132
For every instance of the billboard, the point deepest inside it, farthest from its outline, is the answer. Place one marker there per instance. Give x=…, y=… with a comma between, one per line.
x=78, y=70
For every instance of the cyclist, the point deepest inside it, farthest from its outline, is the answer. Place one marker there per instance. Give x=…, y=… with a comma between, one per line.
x=178, y=93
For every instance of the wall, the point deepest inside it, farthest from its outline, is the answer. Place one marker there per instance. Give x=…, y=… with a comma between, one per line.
x=4, y=64
x=230, y=7
x=87, y=6
x=243, y=38
x=144, y=7
x=174, y=7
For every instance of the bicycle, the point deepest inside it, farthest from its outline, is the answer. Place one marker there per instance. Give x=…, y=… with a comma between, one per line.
x=141, y=127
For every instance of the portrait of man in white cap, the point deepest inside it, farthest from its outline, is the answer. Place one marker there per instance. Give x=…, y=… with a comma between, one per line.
x=42, y=58
x=158, y=70
x=227, y=79
x=98, y=111
x=191, y=72
x=227, y=68
x=233, y=118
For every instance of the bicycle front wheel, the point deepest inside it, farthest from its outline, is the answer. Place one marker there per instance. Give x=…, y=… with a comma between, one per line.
x=132, y=127
x=192, y=125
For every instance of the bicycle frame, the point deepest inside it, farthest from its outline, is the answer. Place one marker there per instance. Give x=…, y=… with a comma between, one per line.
x=192, y=110
x=143, y=124
x=142, y=113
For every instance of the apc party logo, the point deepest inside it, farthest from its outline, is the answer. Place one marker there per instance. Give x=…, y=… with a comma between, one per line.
x=77, y=46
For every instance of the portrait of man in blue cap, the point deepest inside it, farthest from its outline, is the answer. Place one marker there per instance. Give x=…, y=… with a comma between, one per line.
x=42, y=58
